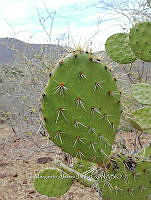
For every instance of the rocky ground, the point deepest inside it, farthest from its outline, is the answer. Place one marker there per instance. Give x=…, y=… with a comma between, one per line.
x=23, y=156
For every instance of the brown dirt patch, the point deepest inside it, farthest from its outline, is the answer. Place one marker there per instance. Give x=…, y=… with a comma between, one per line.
x=23, y=156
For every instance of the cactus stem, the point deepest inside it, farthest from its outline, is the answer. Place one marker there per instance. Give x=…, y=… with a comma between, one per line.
x=98, y=85
x=82, y=75
x=77, y=123
x=59, y=132
x=60, y=112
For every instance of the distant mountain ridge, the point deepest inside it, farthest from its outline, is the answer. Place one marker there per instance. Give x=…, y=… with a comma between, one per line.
x=12, y=47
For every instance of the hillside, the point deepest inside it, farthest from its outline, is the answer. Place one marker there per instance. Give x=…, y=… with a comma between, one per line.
x=12, y=50
x=24, y=70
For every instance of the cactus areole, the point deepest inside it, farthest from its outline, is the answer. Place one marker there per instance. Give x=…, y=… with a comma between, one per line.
x=81, y=107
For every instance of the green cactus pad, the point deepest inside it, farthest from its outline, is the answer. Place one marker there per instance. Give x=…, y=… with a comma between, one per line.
x=117, y=47
x=140, y=40
x=142, y=93
x=126, y=179
x=53, y=182
x=142, y=117
x=145, y=153
x=135, y=124
x=148, y=131
x=81, y=107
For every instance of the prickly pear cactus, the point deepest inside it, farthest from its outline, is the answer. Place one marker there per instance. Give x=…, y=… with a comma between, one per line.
x=135, y=123
x=53, y=182
x=126, y=179
x=117, y=47
x=81, y=107
x=145, y=152
x=140, y=40
x=148, y=131
x=142, y=117
x=142, y=93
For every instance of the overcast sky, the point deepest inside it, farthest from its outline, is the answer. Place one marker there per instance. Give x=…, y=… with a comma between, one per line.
x=76, y=18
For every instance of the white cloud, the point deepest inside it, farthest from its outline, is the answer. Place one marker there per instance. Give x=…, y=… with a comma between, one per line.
x=83, y=36
x=21, y=15
x=56, y=4
x=14, y=10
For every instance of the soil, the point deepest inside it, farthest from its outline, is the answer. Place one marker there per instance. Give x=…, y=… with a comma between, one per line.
x=23, y=156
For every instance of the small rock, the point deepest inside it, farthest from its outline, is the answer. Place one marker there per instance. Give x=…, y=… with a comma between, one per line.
x=3, y=175
x=2, y=146
x=31, y=192
x=15, y=175
x=44, y=160
x=24, y=181
x=25, y=161
x=3, y=164
x=29, y=196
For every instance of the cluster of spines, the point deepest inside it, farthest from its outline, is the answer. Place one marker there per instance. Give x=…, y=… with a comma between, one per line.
x=126, y=169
